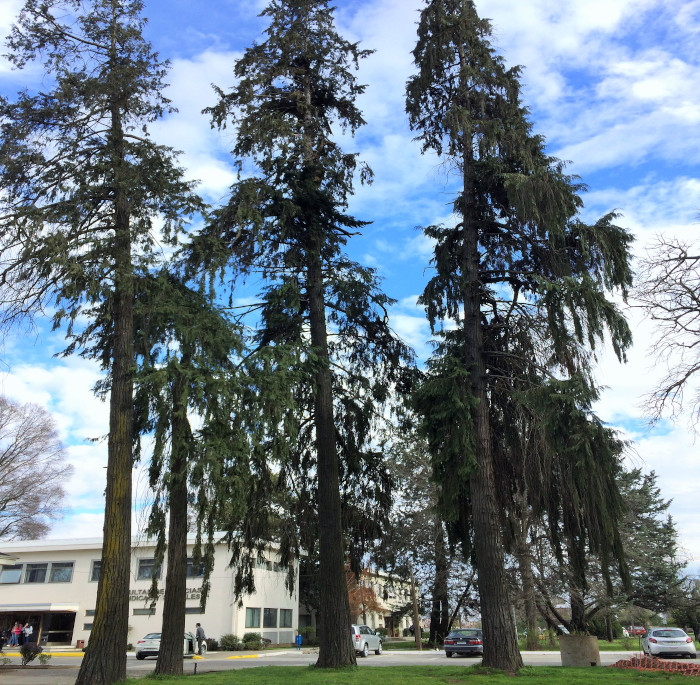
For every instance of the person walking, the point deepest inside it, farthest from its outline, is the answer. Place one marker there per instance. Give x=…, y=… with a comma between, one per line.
x=199, y=634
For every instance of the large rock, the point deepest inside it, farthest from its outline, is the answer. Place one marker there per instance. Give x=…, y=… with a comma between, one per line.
x=579, y=650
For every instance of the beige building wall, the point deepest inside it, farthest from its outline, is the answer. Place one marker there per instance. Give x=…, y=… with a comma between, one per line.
x=61, y=605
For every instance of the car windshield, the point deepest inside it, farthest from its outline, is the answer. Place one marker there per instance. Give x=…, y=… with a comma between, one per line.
x=152, y=636
x=464, y=633
x=667, y=632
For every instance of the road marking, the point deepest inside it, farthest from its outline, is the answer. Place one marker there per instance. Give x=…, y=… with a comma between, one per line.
x=51, y=654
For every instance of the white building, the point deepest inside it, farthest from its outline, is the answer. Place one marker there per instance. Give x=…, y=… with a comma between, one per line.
x=53, y=585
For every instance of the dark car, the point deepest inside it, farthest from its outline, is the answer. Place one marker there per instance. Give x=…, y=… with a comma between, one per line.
x=465, y=641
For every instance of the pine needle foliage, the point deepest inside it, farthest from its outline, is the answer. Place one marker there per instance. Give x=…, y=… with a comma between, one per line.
x=322, y=337
x=85, y=192
x=526, y=282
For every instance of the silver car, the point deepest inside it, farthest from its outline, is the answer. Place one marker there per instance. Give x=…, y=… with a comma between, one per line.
x=149, y=645
x=364, y=639
x=668, y=641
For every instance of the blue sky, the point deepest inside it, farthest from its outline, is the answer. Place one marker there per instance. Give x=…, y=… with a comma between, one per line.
x=611, y=84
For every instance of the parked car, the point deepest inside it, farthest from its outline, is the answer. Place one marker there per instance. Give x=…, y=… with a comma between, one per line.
x=636, y=630
x=365, y=639
x=149, y=645
x=669, y=641
x=465, y=641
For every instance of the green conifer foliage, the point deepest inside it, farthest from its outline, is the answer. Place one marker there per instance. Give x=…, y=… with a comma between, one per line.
x=185, y=351
x=81, y=186
x=525, y=280
x=323, y=338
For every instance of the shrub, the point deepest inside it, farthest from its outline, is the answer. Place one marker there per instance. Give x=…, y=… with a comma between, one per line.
x=44, y=659
x=212, y=645
x=229, y=642
x=382, y=631
x=29, y=651
x=252, y=641
x=129, y=647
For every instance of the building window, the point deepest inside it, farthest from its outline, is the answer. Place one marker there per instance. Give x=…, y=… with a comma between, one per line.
x=285, y=618
x=95, y=571
x=193, y=572
x=35, y=573
x=193, y=610
x=10, y=573
x=87, y=626
x=61, y=572
x=147, y=569
x=270, y=618
x=89, y=612
x=148, y=611
x=252, y=618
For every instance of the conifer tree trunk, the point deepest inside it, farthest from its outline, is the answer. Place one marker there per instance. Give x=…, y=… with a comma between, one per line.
x=171, y=644
x=500, y=644
x=335, y=646
x=528, y=589
x=440, y=614
x=105, y=658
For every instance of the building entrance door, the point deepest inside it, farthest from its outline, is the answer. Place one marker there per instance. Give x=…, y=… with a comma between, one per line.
x=57, y=628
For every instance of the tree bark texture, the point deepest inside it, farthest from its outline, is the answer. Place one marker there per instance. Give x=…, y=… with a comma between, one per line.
x=500, y=642
x=105, y=657
x=440, y=613
x=335, y=645
x=171, y=644
x=528, y=589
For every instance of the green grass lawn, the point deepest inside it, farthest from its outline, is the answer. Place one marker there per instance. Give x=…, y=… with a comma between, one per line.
x=418, y=675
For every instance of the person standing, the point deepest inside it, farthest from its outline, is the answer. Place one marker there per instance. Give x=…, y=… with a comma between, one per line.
x=14, y=635
x=28, y=632
x=199, y=634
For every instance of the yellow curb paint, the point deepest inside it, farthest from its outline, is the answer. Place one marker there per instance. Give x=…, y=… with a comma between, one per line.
x=51, y=654
x=247, y=656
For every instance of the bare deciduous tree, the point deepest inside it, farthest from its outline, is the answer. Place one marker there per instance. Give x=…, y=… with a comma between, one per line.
x=32, y=471
x=668, y=290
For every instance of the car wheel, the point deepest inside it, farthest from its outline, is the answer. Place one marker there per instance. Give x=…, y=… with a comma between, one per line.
x=365, y=650
x=448, y=655
x=140, y=657
x=379, y=649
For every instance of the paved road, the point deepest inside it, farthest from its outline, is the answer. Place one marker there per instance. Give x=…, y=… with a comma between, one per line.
x=64, y=668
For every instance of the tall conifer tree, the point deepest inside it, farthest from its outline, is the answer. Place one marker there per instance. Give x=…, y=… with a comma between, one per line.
x=323, y=334
x=185, y=351
x=81, y=184
x=518, y=260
